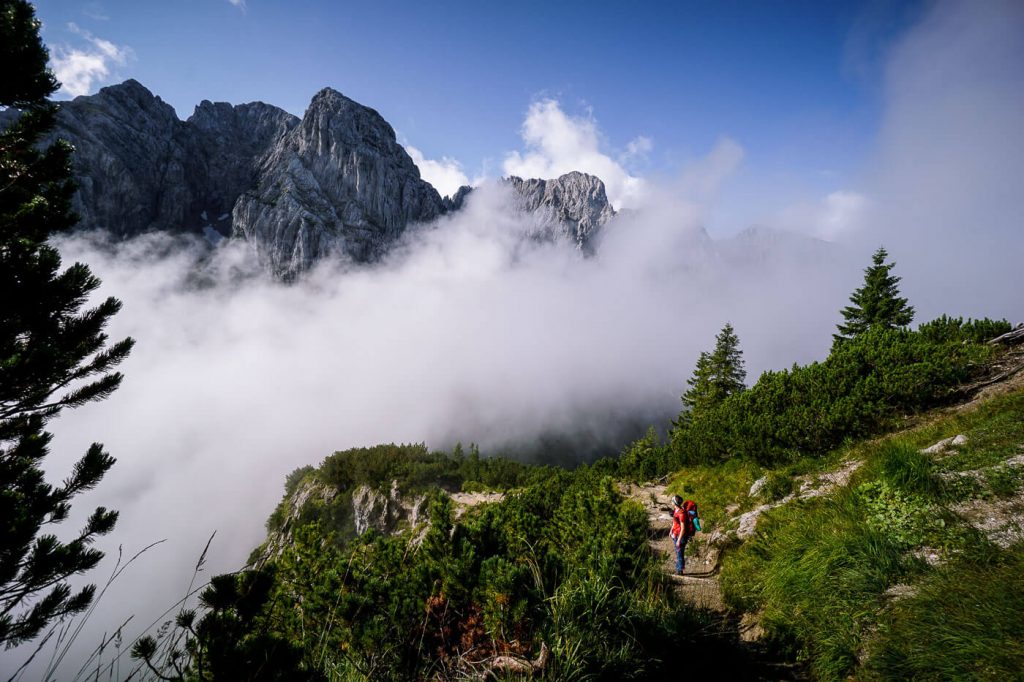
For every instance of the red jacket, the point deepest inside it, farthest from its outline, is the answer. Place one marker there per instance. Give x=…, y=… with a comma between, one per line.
x=678, y=522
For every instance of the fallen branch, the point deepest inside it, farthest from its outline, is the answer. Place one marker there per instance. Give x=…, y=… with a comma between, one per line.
x=498, y=666
x=1010, y=338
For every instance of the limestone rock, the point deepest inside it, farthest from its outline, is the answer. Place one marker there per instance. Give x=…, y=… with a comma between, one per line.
x=758, y=486
x=945, y=444
x=309, y=491
x=336, y=185
x=386, y=511
x=573, y=206
x=140, y=168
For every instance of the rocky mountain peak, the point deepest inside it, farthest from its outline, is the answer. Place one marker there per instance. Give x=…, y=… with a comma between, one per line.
x=338, y=184
x=335, y=183
x=573, y=205
x=337, y=119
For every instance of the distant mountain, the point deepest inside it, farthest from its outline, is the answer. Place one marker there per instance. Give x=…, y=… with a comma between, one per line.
x=571, y=207
x=140, y=168
x=337, y=184
x=334, y=184
x=759, y=244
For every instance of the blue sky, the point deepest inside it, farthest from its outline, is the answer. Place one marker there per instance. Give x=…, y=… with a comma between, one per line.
x=795, y=85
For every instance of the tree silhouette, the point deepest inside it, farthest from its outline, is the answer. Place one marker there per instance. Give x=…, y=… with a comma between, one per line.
x=53, y=353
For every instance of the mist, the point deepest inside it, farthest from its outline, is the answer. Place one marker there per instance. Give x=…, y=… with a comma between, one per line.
x=470, y=331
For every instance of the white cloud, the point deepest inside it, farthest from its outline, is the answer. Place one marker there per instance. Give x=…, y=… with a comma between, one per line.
x=471, y=331
x=637, y=149
x=838, y=215
x=81, y=68
x=557, y=143
x=445, y=175
x=239, y=4
x=945, y=185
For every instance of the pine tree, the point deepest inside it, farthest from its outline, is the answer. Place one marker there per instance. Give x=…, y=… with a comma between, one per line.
x=53, y=354
x=718, y=375
x=875, y=305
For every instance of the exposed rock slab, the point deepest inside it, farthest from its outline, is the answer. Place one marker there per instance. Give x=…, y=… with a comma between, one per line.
x=386, y=511
x=336, y=185
x=573, y=206
x=141, y=169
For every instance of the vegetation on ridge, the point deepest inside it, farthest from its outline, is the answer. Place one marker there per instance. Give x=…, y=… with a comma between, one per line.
x=562, y=562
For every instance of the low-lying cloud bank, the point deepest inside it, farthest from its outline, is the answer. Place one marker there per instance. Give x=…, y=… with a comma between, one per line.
x=470, y=332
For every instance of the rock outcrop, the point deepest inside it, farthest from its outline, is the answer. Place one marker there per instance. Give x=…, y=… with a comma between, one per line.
x=309, y=492
x=141, y=169
x=232, y=140
x=338, y=184
x=572, y=207
x=386, y=512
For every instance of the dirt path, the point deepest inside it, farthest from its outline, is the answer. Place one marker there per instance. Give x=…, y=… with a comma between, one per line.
x=699, y=582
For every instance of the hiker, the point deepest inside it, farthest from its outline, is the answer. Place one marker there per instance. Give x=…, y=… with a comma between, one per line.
x=685, y=523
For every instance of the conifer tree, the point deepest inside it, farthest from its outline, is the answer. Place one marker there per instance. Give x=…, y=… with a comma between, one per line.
x=718, y=375
x=53, y=354
x=877, y=304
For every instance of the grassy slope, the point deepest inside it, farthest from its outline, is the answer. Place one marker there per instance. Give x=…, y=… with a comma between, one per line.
x=821, y=572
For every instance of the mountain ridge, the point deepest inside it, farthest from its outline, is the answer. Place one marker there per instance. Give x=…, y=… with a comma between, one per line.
x=333, y=184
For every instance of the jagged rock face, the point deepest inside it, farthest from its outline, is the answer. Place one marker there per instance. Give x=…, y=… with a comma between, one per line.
x=338, y=184
x=334, y=184
x=140, y=168
x=573, y=205
x=384, y=512
x=232, y=140
x=308, y=492
x=130, y=160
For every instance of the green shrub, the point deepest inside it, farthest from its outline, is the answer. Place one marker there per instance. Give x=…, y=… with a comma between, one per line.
x=944, y=329
x=863, y=385
x=904, y=517
x=644, y=459
x=777, y=486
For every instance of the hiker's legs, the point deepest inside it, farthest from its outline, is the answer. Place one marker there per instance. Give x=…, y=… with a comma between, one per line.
x=680, y=559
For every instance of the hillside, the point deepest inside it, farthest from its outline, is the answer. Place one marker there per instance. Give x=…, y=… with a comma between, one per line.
x=894, y=555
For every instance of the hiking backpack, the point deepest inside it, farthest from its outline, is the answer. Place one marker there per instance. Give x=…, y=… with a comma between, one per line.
x=692, y=518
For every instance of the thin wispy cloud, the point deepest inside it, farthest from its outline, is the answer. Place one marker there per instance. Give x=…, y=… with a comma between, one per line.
x=557, y=143
x=240, y=4
x=81, y=69
x=637, y=149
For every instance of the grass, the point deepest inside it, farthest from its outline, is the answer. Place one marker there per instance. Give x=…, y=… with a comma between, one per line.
x=714, y=488
x=964, y=622
x=818, y=570
x=995, y=432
